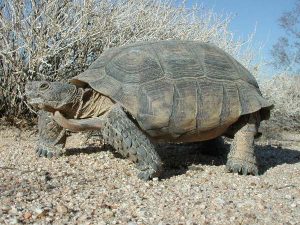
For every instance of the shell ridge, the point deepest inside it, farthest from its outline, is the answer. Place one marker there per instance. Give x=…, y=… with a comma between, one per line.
x=200, y=58
x=239, y=98
x=159, y=62
x=199, y=104
x=222, y=105
x=175, y=92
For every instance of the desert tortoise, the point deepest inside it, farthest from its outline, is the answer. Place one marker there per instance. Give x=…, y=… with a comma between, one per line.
x=171, y=91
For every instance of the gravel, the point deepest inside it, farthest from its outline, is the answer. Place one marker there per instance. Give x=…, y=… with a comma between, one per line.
x=90, y=184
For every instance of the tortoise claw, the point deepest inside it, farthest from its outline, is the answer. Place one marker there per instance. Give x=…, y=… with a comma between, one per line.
x=43, y=152
x=148, y=171
x=145, y=175
x=38, y=152
x=241, y=167
x=50, y=155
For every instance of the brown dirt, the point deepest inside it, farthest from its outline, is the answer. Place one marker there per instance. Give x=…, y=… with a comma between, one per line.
x=90, y=185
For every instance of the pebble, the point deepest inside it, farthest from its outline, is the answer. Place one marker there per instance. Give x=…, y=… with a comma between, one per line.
x=220, y=202
x=61, y=209
x=13, y=210
x=14, y=221
x=155, y=179
x=202, y=206
x=108, y=214
x=5, y=208
x=288, y=197
x=27, y=215
x=131, y=223
x=293, y=205
x=38, y=210
x=84, y=194
x=19, y=194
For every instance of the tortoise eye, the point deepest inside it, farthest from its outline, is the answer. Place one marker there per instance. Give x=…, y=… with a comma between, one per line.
x=44, y=86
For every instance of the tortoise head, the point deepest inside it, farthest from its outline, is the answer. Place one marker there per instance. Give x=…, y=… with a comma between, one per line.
x=50, y=96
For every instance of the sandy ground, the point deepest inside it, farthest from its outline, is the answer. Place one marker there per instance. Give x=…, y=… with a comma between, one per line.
x=91, y=185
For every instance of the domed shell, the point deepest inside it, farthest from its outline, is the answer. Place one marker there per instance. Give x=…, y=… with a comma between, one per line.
x=175, y=87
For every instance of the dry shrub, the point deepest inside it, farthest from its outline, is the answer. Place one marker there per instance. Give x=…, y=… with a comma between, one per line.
x=57, y=39
x=284, y=92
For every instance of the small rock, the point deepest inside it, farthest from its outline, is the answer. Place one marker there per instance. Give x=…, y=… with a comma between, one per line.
x=82, y=218
x=43, y=213
x=13, y=210
x=155, y=179
x=13, y=221
x=5, y=208
x=62, y=209
x=219, y=202
x=195, y=167
x=108, y=214
x=38, y=210
x=131, y=223
x=261, y=206
x=202, y=206
x=20, y=194
x=288, y=197
x=48, y=219
x=232, y=219
x=27, y=215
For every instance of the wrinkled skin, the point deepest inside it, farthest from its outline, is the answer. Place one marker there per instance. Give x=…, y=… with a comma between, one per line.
x=52, y=96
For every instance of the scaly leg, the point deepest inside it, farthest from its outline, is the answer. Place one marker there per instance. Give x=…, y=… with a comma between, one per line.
x=52, y=137
x=241, y=158
x=120, y=132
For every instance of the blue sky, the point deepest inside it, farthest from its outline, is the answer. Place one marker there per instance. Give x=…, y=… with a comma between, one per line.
x=262, y=14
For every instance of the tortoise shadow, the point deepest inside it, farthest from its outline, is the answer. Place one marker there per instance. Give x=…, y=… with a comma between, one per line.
x=86, y=150
x=179, y=158
x=269, y=157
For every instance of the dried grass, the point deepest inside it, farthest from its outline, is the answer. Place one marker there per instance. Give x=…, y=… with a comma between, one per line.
x=284, y=92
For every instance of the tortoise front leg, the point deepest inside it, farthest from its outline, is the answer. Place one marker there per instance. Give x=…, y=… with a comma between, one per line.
x=120, y=132
x=52, y=137
x=241, y=158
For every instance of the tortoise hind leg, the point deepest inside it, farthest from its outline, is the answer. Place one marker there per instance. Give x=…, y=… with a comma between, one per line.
x=52, y=137
x=241, y=158
x=120, y=132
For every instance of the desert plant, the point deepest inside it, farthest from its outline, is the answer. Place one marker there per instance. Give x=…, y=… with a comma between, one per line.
x=283, y=91
x=56, y=39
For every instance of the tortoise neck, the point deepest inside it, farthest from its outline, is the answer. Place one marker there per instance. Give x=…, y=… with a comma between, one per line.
x=70, y=110
x=91, y=103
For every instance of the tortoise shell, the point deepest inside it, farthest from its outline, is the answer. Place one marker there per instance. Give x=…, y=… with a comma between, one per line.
x=175, y=87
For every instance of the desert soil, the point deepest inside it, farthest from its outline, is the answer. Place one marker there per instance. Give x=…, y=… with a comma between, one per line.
x=90, y=184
